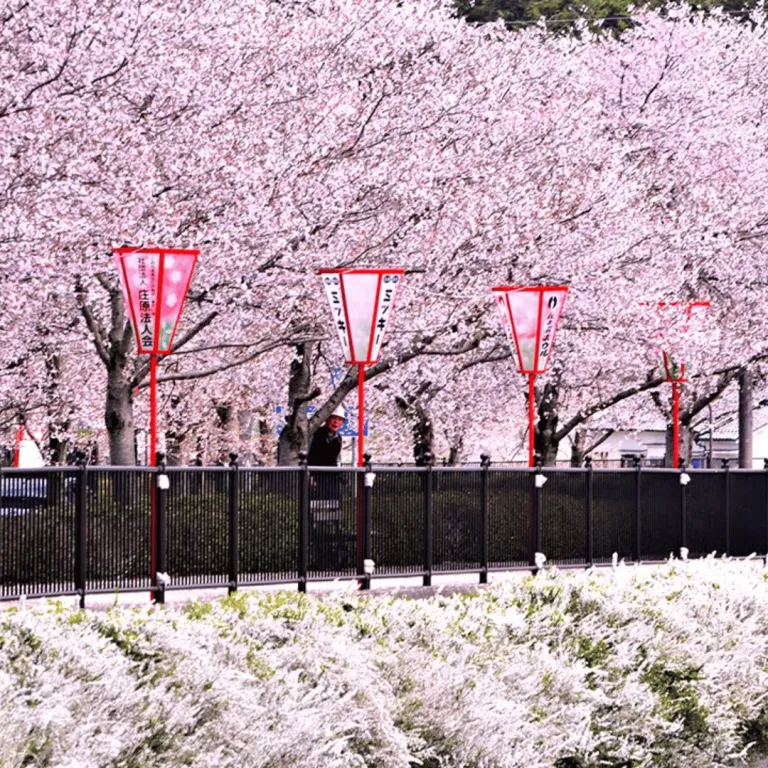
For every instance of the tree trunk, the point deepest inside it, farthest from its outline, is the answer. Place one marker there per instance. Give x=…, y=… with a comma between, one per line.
x=422, y=431
x=745, y=419
x=668, y=450
x=423, y=436
x=577, y=448
x=295, y=435
x=118, y=417
x=686, y=445
x=455, y=447
x=549, y=453
x=246, y=423
x=173, y=448
x=546, y=444
x=57, y=448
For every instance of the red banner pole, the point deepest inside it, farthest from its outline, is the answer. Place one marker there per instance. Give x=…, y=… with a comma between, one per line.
x=675, y=425
x=360, y=463
x=360, y=413
x=17, y=445
x=153, y=462
x=152, y=409
x=531, y=419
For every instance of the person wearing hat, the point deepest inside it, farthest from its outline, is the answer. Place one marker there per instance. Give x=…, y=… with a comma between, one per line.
x=325, y=496
x=325, y=448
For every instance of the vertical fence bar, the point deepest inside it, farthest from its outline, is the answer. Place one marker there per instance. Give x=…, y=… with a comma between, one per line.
x=428, y=484
x=590, y=543
x=636, y=549
x=485, y=463
x=81, y=487
x=161, y=491
x=234, y=505
x=765, y=467
x=303, y=522
x=683, y=512
x=534, y=535
x=727, y=481
x=368, y=478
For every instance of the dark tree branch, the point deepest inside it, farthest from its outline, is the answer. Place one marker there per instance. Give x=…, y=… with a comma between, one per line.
x=93, y=327
x=268, y=347
x=700, y=404
x=602, y=405
x=349, y=382
x=143, y=370
x=50, y=80
x=599, y=441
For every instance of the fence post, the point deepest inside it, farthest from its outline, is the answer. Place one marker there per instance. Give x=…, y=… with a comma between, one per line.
x=765, y=467
x=727, y=480
x=368, y=478
x=683, y=514
x=534, y=536
x=589, y=512
x=161, y=486
x=428, y=481
x=485, y=463
x=636, y=549
x=303, y=521
x=81, y=487
x=234, y=503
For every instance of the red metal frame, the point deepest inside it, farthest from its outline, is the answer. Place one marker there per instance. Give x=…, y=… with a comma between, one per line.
x=373, y=319
x=669, y=365
x=17, y=445
x=514, y=334
x=361, y=371
x=675, y=424
x=370, y=361
x=159, y=304
x=539, y=321
x=506, y=290
x=380, y=272
x=162, y=253
x=531, y=419
x=153, y=354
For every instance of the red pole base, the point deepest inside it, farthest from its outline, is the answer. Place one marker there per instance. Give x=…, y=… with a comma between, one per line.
x=152, y=463
x=531, y=420
x=675, y=425
x=360, y=462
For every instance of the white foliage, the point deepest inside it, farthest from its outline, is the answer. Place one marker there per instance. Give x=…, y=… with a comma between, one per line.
x=662, y=666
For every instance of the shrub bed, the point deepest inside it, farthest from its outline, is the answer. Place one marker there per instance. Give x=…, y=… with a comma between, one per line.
x=625, y=667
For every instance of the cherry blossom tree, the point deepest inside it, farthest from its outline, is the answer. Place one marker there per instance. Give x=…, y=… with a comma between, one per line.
x=281, y=138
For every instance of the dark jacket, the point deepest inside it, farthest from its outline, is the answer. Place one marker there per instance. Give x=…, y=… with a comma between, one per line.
x=324, y=451
x=325, y=448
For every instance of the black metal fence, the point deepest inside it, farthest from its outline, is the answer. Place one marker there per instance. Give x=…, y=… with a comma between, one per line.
x=88, y=530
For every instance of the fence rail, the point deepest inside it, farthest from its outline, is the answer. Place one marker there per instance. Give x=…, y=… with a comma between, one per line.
x=89, y=530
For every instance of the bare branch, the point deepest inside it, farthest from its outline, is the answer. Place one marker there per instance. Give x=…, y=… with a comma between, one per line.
x=223, y=367
x=143, y=370
x=599, y=441
x=421, y=347
x=93, y=327
x=703, y=402
x=602, y=405
x=50, y=80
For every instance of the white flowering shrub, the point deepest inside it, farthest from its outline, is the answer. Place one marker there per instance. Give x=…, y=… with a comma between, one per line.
x=624, y=668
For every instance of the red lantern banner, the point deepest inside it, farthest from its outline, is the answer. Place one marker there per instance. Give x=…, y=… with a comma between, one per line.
x=678, y=326
x=362, y=302
x=530, y=316
x=155, y=282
